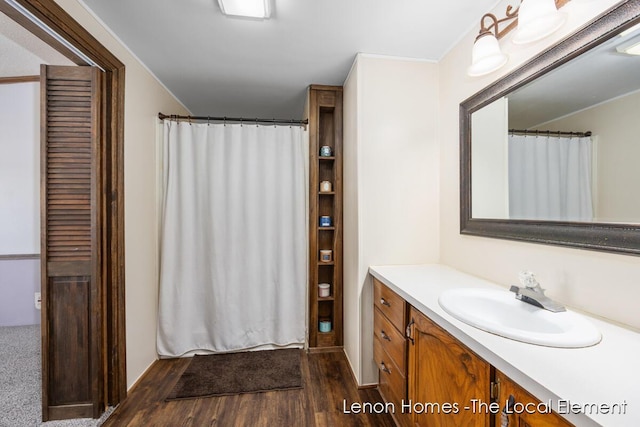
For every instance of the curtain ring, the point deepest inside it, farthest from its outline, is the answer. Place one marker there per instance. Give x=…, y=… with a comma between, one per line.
x=208, y=120
x=291, y=124
x=274, y=122
x=224, y=120
x=256, y=122
x=189, y=120
x=240, y=121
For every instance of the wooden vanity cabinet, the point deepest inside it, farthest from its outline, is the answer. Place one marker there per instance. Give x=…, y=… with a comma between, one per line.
x=519, y=416
x=421, y=364
x=444, y=372
x=390, y=348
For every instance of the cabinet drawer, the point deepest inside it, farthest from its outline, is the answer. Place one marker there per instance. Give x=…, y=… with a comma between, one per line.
x=390, y=304
x=392, y=341
x=392, y=383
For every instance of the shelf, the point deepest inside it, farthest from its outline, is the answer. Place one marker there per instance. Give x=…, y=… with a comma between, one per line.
x=324, y=111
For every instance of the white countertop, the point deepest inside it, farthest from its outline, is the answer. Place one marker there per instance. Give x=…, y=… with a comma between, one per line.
x=607, y=373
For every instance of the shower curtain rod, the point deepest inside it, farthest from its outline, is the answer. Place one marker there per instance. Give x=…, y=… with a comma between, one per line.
x=233, y=119
x=548, y=133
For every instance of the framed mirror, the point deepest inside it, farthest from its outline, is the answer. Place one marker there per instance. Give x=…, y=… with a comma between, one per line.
x=550, y=153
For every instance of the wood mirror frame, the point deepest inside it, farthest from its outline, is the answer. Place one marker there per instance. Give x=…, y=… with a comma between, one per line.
x=610, y=237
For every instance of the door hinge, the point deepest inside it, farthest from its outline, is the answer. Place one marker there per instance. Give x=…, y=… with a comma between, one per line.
x=494, y=389
x=409, y=331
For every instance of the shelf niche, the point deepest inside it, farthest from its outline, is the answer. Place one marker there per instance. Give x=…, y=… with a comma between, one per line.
x=324, y=112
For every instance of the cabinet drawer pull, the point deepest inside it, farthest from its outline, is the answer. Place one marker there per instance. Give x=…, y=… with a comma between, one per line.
x=384, y=336
x=384, y=302
x=384, y=368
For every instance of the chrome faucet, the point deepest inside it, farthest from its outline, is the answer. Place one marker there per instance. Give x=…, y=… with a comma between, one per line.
x=531, y=292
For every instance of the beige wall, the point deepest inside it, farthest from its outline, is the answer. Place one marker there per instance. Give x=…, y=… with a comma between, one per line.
x=144, y=98
x=600, y=283
x=616, y=132
x=391, y=184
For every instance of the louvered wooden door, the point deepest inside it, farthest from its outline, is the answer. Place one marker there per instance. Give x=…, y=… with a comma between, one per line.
x=72, y=334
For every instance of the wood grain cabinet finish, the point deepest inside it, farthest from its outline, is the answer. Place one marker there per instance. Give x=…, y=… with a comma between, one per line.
x=390, y=348
x=390, y=304
x=434, y=380
x=445, y=374
x=525, y=411
x=324, y=112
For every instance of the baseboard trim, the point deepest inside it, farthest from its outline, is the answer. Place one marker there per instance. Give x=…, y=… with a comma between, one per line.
x=367, y=386
x=325, y=349
x=14, y=257
x=139, y=379
x=355, y=380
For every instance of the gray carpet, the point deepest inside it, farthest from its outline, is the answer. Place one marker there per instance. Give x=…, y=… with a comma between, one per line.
x=20, y=381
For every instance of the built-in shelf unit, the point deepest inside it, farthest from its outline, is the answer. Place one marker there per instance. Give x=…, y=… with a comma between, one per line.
x=324, y=112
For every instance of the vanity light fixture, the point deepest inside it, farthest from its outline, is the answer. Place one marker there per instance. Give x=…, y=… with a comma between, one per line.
x=259, y=9
x=535, y=20
x=486, y=55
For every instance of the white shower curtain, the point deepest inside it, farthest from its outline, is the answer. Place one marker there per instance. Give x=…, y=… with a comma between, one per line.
x=233, y=238
x=550, y=178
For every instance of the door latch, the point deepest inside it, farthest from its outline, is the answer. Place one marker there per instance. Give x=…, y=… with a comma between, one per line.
x=409, y=331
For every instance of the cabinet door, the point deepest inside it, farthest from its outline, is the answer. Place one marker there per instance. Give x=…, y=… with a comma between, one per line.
x=525, y=410
x=445, y=377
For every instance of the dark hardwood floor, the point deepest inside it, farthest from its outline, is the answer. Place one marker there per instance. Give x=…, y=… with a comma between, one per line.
x=327, y=384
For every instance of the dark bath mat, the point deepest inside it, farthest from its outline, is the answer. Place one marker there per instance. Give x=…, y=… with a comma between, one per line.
x=234, y=373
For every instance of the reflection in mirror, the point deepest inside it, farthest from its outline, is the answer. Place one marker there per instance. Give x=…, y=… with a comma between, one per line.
x=565, y=147
x=550, y=153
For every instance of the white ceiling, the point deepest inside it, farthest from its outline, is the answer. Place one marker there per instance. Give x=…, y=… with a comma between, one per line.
x=224, y=66
x=22, y=52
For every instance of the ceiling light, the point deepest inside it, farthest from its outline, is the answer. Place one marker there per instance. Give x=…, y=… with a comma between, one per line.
x=630, y=30
x=630, y=49
x=246, y=8
x=633, y=50
x=537, y=19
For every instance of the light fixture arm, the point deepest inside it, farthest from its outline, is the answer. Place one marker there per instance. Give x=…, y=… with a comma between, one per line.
x=494, y=25
x=511, y=14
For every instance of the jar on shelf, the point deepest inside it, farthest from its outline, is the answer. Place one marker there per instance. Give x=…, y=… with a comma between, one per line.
x=326, y=187
x=324, y=290
x=325, y=221
x=326, y=255
x=324, y=325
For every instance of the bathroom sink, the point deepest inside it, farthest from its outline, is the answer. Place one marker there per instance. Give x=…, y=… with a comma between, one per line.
x=500, y=313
